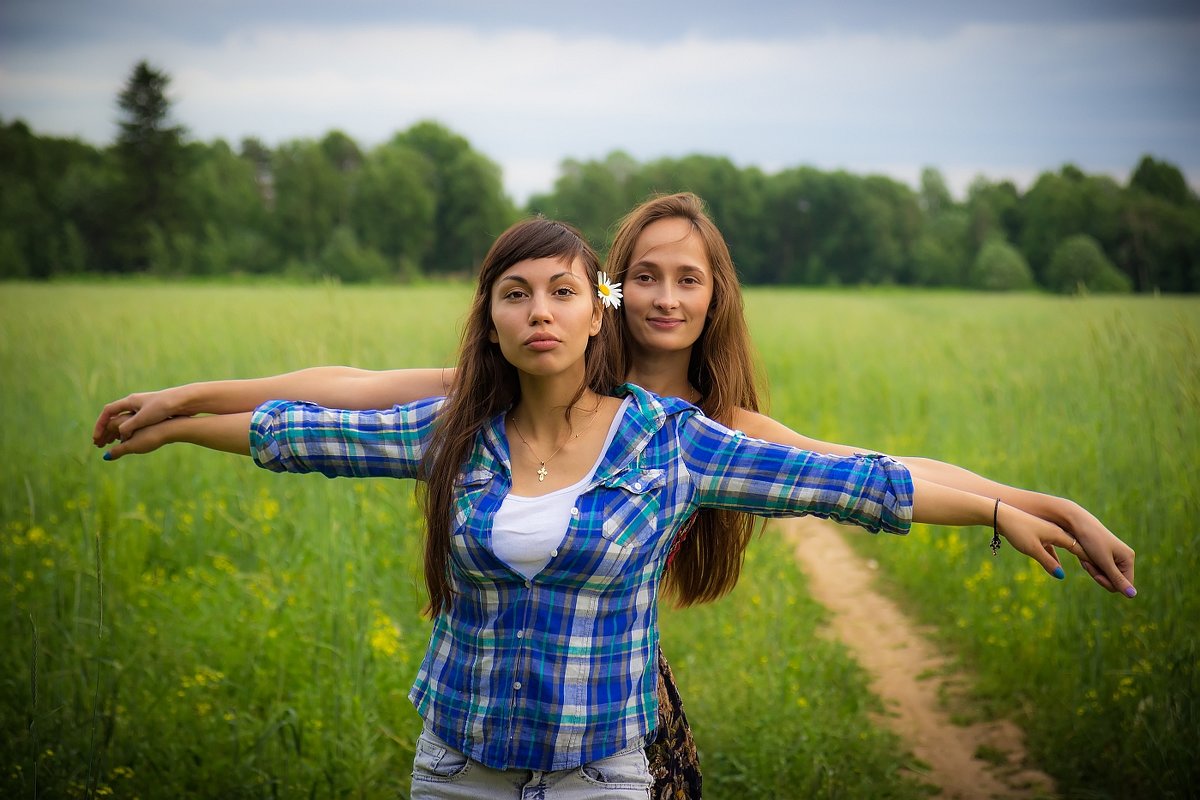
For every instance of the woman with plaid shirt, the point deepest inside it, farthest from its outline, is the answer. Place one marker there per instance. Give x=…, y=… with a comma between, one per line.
x=544, y=550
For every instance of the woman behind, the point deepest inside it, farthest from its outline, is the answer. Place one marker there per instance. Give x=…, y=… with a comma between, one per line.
x=685, y=335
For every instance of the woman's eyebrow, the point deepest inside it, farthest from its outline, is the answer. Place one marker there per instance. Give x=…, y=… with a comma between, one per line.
x=555, y=277
x=647, y=263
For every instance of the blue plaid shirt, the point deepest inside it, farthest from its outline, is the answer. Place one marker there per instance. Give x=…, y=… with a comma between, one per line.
x=557, y=671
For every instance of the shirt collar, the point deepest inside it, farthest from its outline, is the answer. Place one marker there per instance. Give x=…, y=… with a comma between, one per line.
x=643, y=419
x=494, y=454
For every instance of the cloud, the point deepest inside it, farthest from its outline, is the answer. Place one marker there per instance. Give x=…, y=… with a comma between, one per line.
x=1006, y=99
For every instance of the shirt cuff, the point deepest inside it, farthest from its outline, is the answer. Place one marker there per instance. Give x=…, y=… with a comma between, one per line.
x=896, y=500
x=264, y=446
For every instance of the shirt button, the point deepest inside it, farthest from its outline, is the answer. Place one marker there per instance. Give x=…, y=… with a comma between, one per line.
x=517, y=686
x=637, y=487
x=528, y=584
x=574, y=512
x=553, y=553
x=520, y=634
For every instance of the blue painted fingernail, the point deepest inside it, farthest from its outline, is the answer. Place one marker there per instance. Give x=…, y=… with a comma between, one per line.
x=1131, y=592
x=107, y=456
x=1058, y=573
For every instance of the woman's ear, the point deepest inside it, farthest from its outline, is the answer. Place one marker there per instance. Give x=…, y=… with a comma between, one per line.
x=597, y=319
x=493, y=337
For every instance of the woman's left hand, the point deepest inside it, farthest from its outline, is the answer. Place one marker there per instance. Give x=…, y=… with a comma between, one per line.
x=1101, y=554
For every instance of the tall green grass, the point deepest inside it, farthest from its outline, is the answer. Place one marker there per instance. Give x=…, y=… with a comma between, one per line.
x=185, y=624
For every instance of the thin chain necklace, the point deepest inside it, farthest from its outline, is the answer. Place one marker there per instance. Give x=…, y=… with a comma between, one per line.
x=542, y=471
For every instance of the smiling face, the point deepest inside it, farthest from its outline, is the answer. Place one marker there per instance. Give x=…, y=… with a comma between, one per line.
x=668, y=287
x=543, y=312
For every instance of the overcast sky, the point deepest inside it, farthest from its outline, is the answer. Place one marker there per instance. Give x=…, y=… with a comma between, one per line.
x=1006, y=89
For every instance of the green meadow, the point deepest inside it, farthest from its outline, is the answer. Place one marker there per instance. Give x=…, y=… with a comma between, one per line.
x=187, y=625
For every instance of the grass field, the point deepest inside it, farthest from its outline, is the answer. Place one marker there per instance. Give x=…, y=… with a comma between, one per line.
x=185, y=624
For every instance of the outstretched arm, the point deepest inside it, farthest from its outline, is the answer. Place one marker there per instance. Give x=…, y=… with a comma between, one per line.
x=285, y=436
x=335, y=387
x=1102, y=555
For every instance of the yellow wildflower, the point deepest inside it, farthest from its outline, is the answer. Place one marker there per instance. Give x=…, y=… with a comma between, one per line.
x=385, y=635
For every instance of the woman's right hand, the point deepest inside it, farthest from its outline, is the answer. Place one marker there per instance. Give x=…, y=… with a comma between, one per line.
x=225, y=432
x=120, y=419
x=146, y=438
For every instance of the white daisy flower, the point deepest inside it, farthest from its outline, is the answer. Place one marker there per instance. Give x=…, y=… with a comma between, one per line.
x=609, y=293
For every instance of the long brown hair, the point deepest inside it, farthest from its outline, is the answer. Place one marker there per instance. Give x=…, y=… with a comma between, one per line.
x=486, y=384
x=709, y=560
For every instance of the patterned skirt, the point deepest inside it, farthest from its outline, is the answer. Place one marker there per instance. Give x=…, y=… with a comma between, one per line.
x=672, y=756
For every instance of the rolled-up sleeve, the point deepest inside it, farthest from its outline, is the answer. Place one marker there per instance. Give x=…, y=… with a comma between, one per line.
x=304, y=437
x=733, y=471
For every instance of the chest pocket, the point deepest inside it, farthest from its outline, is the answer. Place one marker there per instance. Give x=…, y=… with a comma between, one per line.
x=471, y=487
x=630, y=507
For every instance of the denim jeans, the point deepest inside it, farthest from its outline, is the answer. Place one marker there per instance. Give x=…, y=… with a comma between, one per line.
x=440, y=771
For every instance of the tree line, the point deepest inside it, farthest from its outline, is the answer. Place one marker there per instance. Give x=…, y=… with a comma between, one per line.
x=426, y=203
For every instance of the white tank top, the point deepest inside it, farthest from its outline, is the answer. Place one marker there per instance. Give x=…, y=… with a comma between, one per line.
x=527, y=531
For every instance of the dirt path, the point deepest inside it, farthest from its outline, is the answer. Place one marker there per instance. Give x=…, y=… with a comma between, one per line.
x=911, y=678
